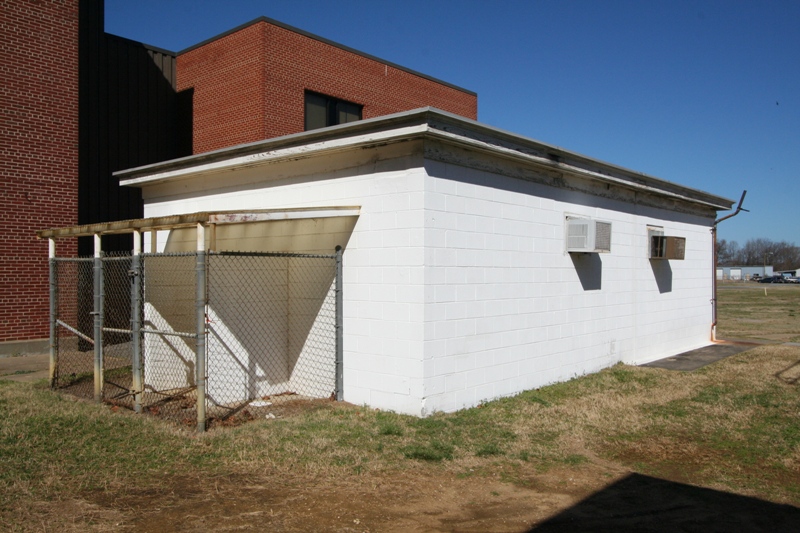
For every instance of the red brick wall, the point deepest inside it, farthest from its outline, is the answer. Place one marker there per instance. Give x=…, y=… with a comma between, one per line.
x=249, y=85
x=227, y=78
x=38, y=153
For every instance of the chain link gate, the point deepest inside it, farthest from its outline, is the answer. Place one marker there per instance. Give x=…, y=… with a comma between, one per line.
x=116, y=326
x=270, y=331
x=72, y=326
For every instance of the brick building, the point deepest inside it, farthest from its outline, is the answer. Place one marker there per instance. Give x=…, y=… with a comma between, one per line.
x=84, y=104
x=38, y=155
x=255, y=82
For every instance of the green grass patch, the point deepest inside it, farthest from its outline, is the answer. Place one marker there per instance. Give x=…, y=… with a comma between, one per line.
x=391, y=429
x=575, y=459
x=673, y=409
x=434, y=451
x=489, y=449
x=713, y=394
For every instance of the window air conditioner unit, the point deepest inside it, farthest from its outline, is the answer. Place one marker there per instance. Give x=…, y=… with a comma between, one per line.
x=588, y=236
x=663, y=247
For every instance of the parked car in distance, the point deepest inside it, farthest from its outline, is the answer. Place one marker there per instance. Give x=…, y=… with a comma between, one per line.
x=772, y=279
x=792, y=280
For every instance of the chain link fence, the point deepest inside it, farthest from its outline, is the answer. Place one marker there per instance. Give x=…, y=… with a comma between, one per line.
x=271, y=329
x=262, y=330
x=116, y=326
x=71, y=302
x=169, y=336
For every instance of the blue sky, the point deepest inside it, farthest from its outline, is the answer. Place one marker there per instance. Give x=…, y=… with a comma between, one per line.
x=701, y=93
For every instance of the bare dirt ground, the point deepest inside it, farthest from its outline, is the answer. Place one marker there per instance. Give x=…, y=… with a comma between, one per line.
x=422, y=503
x=600, y=496
x=431, y=501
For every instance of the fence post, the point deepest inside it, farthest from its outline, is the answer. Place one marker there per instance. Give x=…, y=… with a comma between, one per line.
x=200, y=311
x=98, y=319
x=339, y=323
x=53, y=310
x=136, y=322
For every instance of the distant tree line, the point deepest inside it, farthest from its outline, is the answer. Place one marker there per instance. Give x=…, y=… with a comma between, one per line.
x=781, y=255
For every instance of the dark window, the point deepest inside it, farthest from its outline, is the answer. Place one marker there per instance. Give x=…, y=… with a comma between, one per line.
x=322, y=111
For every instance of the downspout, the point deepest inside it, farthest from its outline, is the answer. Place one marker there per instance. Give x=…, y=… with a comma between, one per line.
x=714, y=264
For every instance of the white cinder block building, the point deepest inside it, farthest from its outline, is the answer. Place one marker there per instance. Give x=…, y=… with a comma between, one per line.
x=458, y=283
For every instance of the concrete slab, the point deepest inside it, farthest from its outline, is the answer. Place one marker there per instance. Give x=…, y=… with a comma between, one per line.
x=694, y=359
x=15, y=348
x=25, y=367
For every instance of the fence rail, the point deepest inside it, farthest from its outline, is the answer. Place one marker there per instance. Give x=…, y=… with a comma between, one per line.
x=197, y=337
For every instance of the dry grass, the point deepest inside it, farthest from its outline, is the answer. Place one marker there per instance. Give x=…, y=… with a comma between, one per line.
x=733, y=426
x=762, y=311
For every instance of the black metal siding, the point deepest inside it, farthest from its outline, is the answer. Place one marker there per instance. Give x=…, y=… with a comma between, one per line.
x=128, y=118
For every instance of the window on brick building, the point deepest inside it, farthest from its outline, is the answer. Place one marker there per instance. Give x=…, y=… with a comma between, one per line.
x=322, y=111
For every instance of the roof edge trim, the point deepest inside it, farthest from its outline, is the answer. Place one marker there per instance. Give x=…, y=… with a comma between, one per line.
x=328, y=42
x=420, y=123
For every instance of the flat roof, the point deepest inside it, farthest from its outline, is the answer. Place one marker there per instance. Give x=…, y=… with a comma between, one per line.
x=423, y=123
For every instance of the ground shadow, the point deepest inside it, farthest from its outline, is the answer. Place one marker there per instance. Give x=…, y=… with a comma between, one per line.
x=790, y=374
x=590, y=270
x=643, y=503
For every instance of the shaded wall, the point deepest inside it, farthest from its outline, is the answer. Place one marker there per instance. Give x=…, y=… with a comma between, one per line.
x=271, y=320
x=129, y=117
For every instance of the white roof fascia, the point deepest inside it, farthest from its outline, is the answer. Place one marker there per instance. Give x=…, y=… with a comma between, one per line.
x=288, y=214
x=281, y=154
x=557, y=165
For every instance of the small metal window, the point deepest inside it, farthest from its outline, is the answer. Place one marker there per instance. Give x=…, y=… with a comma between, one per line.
x=322, y=111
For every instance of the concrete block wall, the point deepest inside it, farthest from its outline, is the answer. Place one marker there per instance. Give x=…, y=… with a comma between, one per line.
x=311, y=354
x=247, y=349
x=169, y=305
x=507, y=309
x=249, y=84
x=276, y=336
x=458, y=288
x=383, y=266
x=39, y=154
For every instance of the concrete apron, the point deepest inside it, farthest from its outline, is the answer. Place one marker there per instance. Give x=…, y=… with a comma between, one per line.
x=25, y=367
x=694, y=359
